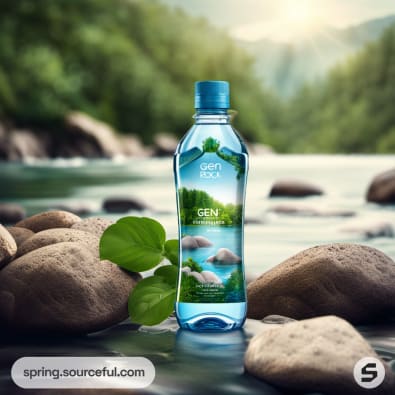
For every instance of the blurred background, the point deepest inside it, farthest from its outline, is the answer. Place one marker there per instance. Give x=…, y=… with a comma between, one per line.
x=95, y=94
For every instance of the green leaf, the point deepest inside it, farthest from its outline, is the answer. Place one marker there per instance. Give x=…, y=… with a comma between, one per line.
x=134, y=243
x=169, y=273
x=151, y=301
x=171, y=251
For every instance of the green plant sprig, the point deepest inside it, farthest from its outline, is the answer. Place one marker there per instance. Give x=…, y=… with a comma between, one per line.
x=138, y=244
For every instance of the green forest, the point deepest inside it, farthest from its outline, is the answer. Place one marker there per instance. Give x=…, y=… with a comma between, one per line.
x=132, y=64
x=191, y=200
x=352, y=110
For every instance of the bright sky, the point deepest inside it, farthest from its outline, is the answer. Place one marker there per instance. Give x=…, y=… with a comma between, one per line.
x=284, y=20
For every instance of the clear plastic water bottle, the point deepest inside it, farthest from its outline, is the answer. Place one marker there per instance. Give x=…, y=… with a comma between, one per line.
x=210, y=167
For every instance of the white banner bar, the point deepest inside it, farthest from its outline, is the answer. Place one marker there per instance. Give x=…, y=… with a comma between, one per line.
x=83, y=372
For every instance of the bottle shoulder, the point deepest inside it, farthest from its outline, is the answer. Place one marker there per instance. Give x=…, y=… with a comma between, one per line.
x=223, y=135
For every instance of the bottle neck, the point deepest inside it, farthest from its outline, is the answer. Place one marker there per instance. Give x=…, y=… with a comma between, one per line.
x=211, y=116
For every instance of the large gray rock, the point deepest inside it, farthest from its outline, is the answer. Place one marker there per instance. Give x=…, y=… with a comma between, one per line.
x=382, y=188
x=63, y=288
x=94, y=225
x=194, y=242
x=11, y=213
x=294, y=188
x=20, y=235
x=104, y=140
x=59, y=235
x=224, y=256
x=348, y=280
x=7, y=246
x=101, y=134
x=122, y=205
x=23, y=144
x=313, y=355
x=49, y=220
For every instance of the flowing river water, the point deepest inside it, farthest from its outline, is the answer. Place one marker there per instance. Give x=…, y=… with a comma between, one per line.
x=270, y=238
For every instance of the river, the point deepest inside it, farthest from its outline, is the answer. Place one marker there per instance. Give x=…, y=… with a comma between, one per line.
x=41, y=185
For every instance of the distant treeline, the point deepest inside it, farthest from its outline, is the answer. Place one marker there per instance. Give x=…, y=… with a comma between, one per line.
x=352, y=110
x=129, y=63
x=133, y=64
x=193, y=200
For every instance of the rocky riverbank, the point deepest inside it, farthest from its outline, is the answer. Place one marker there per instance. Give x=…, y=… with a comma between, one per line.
x=80, y=135
x=52, y=274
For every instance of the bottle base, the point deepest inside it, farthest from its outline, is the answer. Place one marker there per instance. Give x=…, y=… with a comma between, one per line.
x=211, y=317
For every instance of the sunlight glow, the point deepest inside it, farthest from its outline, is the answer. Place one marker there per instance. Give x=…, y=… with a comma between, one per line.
x=293, y=19
x=298, y=19
x=299, y=12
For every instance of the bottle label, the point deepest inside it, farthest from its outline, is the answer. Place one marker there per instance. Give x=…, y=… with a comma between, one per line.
x=211, y=196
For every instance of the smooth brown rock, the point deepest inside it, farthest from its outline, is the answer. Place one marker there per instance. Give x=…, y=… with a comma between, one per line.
x=122, y=205
x=11, y=213
x=351, y=281
x=22, y=144
x=94, y=225
x=313, y=355
x=49, y=220
x=194, y=242
x=59, y=235
x=294, y=188
x=89, y=137
x=382, y=188
x=224, y=256
x=7, y=246
x=63, y=288
x=20, y=234
x=104, y=137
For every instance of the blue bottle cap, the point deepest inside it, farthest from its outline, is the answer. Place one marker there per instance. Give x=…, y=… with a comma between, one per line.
x=211, y=95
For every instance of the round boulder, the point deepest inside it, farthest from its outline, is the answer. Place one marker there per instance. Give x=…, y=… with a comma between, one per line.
x=382, y=188
x=121, y=205
x=194, y=242
x=315, y=355
x=94, y=225
x=49, y=220
x=224, y=256
x=11, y=213
x=63, y=288
x=351, y=281
x=294, y=188
x=59, y=235
x=20, y=234
x=7, y=246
